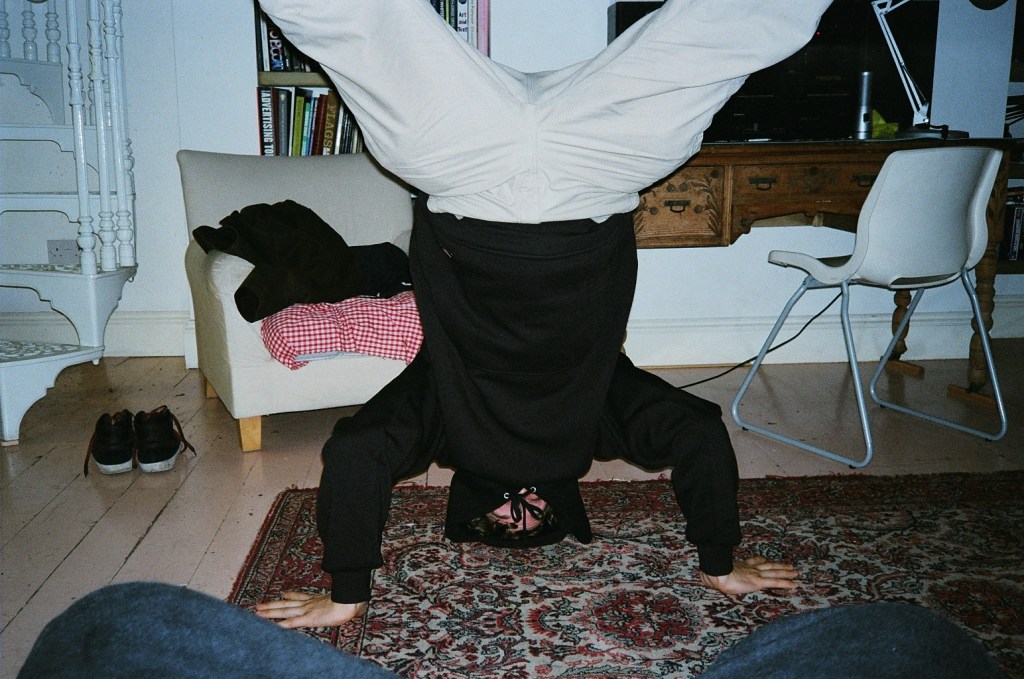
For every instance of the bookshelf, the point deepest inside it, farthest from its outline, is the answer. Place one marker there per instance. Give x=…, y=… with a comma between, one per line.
x=299, y=111
x=1011, y=249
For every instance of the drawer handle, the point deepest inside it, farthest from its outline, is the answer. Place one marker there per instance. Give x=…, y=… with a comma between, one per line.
x=678, y=205
x=864, y=181
x=762, y=183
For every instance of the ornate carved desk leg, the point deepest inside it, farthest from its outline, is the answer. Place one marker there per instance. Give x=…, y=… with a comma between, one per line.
x=895, y=364
x=985, y=276
x=977, y=373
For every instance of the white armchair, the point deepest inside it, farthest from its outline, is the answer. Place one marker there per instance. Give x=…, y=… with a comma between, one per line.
x=349, y=192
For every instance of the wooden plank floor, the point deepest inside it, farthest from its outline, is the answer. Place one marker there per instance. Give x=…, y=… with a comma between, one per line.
x=63, y=534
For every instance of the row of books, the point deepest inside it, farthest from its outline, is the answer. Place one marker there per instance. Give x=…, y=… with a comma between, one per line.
x=469, y=18
x=1012, y=247
x=305, y=121
x=311, y=121
x=274, y=52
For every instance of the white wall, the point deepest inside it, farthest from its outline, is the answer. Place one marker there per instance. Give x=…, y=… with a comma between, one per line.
x=192, y=67
x=191, y=84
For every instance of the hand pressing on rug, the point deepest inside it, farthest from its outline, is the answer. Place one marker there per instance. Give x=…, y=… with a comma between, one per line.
x=752, y=574
x=298, y=609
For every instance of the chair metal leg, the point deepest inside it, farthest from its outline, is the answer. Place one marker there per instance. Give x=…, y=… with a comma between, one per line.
x=858, y=386
x=986, y=348
x=763, y=352
x=810, y=283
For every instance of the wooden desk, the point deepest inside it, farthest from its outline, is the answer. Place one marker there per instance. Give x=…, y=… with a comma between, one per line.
x=727, y=189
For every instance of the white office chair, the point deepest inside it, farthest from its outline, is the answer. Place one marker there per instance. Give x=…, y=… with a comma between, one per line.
x=922, y=226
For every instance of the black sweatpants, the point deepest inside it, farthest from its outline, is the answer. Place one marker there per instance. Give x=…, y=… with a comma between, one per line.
x=399, y=433
x=521, y=382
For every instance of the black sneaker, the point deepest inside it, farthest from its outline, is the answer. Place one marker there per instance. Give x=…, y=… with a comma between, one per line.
x=111, y=446
x=159, y=439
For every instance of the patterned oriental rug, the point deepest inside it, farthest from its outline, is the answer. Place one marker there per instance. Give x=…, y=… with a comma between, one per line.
x=629, y=603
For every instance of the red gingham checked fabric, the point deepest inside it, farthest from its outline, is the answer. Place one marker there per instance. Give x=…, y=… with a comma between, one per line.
x=384, y=327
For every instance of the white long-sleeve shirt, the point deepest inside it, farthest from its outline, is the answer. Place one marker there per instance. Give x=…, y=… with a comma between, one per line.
x=489, y=142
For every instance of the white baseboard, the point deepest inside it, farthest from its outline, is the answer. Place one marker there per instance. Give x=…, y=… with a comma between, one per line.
x=728, y=341
x=1008, y=316
x=718, y=341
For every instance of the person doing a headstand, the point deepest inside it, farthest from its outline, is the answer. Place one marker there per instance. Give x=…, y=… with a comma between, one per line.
x=524, y=265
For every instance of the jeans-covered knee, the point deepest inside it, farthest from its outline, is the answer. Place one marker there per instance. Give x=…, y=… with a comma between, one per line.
x=98, y=634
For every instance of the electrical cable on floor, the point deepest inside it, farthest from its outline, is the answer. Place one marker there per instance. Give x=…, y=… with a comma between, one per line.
x=777, y=346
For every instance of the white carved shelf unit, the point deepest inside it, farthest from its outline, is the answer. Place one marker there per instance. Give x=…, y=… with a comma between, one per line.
x=68, y=55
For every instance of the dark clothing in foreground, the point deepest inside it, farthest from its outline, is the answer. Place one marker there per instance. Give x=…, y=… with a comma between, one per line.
x=145, y=630
x=155, y=630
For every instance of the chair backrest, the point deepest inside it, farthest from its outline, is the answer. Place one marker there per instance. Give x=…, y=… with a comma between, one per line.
x=924, y=219
x=348, y=191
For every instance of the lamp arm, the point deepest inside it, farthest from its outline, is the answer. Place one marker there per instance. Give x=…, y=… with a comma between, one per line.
x=917, y=99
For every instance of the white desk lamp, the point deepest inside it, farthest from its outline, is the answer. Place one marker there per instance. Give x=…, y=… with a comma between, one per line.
x=918, y=103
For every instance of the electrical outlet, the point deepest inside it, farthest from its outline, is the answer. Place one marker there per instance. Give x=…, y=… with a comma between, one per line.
x=62, y=252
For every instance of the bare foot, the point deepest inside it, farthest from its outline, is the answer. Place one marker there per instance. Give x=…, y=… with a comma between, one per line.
x=298, y=609
x=752, y=574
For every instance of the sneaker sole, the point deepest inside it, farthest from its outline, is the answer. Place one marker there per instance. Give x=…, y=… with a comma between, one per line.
x=114, y=468
x=163, y=465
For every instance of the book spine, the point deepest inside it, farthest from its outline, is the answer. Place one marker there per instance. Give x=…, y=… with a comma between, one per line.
x=298, y=116
x=308, y=120
x=473, y=36
x=462, y=18
x=266, y=104
x=483, y=26
x=286, y=54
x=332, y=108
x=316, y=145
x=283, y=119
x=261, y=41
x=345, y=134
x=277, y=51
x=357, y=138
x=297, y=61
x=1015, y=233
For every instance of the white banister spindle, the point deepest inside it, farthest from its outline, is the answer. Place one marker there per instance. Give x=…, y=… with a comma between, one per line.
x=123, y=161
x=52, y=32
x=5, y=32
x=101, y=97
x=86, y=238
x=28, y=33
x=85, y=92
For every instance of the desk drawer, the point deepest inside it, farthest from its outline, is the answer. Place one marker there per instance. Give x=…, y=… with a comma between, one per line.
x=760, y=182
x=686, y=209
